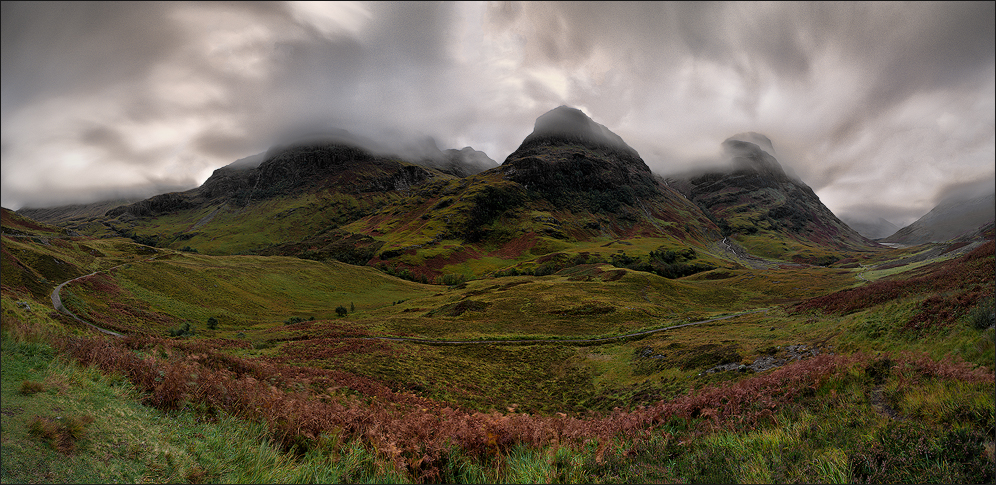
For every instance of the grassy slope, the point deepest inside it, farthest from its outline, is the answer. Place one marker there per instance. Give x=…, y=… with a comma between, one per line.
x=819, y=427
x=242, y=292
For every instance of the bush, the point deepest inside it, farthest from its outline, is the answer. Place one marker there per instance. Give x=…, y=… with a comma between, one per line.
x=341, y=311
x=983, y=315
x=293, y=320
x=184, y=330
x=212, y=323
x=453, y=279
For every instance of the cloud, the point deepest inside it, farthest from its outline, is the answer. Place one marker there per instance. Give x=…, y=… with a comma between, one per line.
x=876, y=106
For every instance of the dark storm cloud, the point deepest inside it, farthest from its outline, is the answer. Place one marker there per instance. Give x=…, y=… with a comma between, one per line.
x=874, y=105
x=71, y=48
x=966, y=190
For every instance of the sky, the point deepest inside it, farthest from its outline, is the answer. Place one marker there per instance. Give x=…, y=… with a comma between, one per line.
x=884, y=109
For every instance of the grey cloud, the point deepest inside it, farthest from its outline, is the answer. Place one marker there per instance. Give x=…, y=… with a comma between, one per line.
x=71, y=48
x=838, y=87
x=222, y=145
x=964, y=190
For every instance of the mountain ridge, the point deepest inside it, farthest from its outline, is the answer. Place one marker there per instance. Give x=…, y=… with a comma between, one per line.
x=571, y=182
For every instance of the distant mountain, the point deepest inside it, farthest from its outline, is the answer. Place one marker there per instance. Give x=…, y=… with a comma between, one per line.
x=566, y=125
x=459, y=163
x=755, y=200
x=68, y=215
x=949, y=219
x=872, y=229
x=571, y=160
x=293, y=192
x=571, y=189
x=424, y=152
x=467, y=161
x=15, y=223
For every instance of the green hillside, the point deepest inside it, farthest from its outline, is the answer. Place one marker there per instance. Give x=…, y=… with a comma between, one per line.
x=799, y=371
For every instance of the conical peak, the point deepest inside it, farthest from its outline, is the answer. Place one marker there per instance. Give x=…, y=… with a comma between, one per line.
x=573, y=125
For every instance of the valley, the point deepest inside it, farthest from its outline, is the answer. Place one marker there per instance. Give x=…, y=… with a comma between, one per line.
x=566, y=316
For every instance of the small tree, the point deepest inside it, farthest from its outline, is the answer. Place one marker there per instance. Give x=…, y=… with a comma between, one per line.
x=352, y=307
x=341, y=311
x=212, y=323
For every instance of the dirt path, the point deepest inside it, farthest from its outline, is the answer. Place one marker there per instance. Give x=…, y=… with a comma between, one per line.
x=752, y=262
x=57, y=300
x=861, y=274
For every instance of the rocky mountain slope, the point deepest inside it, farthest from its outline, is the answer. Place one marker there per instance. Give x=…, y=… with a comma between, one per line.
x=765, y=209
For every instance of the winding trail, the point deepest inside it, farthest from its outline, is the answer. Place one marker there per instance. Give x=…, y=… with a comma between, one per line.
x=61, y=308
x=861, y=274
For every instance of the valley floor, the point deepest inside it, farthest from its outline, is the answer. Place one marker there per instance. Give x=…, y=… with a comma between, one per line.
x=274, y=369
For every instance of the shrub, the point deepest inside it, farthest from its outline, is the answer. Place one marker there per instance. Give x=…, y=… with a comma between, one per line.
x=212, y=323
x=341, y=311
x=983, y=315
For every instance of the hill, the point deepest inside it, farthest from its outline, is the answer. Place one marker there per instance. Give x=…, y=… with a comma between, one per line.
x=74, y=217
x=949, y=219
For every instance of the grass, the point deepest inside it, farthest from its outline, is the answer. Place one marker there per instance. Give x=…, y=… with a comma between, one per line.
x=263, y=400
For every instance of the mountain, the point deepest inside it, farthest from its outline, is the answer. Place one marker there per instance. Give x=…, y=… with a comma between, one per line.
x=467, y=161
x=764, y=209
x=570, y=183
x=950, y=218
x=573, y=192
x=459, y=163
x=17, y=224
x=872, y=229
x=299, y=190
x=570, y=159
x=71, y=215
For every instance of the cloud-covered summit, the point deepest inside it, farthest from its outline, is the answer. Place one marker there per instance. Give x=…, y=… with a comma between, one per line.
x=572, y=124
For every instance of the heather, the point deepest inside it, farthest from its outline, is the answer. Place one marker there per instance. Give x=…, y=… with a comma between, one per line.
x=276, y=369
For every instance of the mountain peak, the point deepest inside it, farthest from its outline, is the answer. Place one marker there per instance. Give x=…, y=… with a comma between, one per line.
x=755, y=155
x=763, y=142
x=572, y=125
